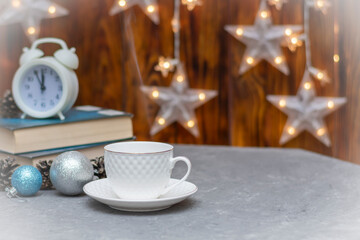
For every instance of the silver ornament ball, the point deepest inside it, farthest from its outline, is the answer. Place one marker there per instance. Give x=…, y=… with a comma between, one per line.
x=70, y=171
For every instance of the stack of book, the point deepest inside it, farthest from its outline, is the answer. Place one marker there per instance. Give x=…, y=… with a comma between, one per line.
x=86, y=129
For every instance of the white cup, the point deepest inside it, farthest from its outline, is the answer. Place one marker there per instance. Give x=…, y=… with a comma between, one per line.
x=141, y=170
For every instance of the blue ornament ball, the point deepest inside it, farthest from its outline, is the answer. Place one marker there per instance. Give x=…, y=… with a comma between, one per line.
x=27, y=180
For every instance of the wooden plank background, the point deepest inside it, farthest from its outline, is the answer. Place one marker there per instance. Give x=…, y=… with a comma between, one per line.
x=240, y=115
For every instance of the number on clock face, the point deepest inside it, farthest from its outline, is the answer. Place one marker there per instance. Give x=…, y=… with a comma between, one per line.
x=41, y=88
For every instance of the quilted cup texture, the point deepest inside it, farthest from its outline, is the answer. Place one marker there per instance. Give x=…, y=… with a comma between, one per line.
x=138, y=176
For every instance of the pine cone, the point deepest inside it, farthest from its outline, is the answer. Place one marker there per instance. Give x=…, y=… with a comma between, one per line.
x=7, y=168
x=99, y=167
x=44, y=168
x=8, y=108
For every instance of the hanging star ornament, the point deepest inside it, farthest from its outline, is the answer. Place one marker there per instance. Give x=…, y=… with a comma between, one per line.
x=177, y=103
x=319, y=75
x=263, y=41
x=293, y=40
x=191, y=4
x=306, y=111
x=30, y=13
x=166, y=65
x=149, y=7
x=277, y=3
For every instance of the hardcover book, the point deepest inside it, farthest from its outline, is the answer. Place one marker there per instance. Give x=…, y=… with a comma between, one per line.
x=82, y=125
x=91, y=151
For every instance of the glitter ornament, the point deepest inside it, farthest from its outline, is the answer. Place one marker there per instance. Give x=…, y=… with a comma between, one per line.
x=26, y=180
x=70, y=171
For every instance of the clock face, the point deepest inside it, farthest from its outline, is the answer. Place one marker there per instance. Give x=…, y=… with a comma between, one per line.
x=41, y=88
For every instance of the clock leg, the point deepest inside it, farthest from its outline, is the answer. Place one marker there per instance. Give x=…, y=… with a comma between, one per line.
x=61, y=116
x=23, y=116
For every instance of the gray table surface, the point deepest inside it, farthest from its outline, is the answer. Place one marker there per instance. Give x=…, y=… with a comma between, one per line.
x=244, y=193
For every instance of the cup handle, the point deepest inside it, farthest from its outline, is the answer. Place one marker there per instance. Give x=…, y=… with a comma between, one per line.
x=173, y=161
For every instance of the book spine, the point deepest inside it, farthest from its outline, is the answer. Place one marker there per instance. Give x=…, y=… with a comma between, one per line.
x=90, y=153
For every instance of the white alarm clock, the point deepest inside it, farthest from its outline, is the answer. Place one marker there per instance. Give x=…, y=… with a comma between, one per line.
x=44, y=87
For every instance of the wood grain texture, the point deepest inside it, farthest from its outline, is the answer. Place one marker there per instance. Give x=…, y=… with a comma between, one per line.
x=240, y=115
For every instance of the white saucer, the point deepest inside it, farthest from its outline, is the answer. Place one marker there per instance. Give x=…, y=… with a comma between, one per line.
x=101, y=191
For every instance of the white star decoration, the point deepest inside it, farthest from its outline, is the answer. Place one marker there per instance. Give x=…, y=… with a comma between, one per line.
x=322, y=76
x=166, y=65
x=263, y=41
x=177, y=103
x=30, y=13
x=149, y=7
x=293, y=40
x=306, y=111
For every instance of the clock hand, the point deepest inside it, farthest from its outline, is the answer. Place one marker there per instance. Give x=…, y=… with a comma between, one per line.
x=43, y=88
x=37, y=76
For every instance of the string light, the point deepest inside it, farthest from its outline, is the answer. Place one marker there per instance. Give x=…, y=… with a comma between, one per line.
x=291, y=130
x=264, y=14
x=278, y=60
x=307, y=85
x=282, y=103
x=150, y=8
x=321, y=132
x=330, y=104
x=239, y=31
x=320, y=75
x=288, y=32
x=122, y=3
x=202, y=96
x=180, y=78
x=320, y=3
x=52, y=10
x=166, y=65
x=161, y=121
x=294, y=40
x=336, y=58
x=250, y=60
x=155, y=94
x=190, y=124
x=15, y=3
x=31, y=30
